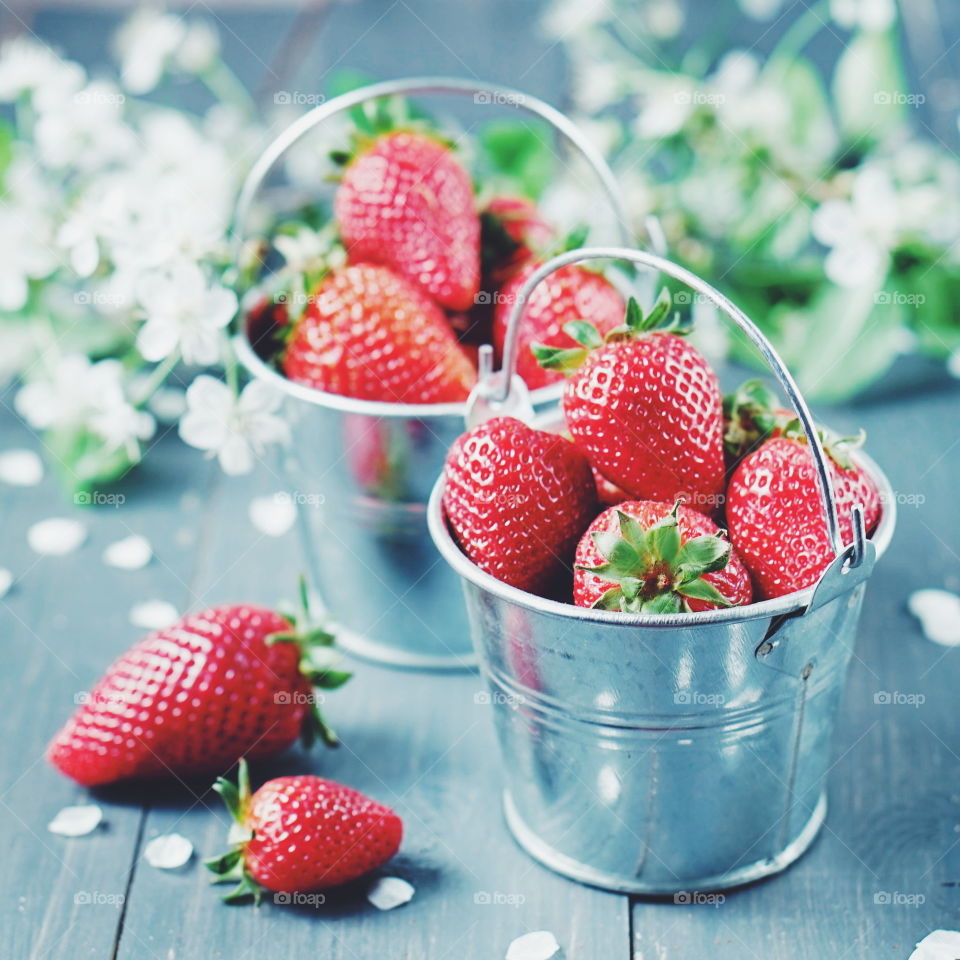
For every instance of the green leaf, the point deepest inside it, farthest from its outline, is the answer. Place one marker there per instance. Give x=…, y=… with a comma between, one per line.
x=634, y=318
x=702, y=590
x=518, y=155
x=664, y=541
x=225, y=865
x=658, y=314
x=585, y=333
x=631, y=531
x=575, y=239
x=231, y=797
x=631, y=587
x=609, y=600
x=704, y=554
x=330, y=679
x=664, y=603
x=559, y=358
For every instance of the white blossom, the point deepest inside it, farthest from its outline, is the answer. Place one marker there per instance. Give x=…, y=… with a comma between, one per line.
x=565, y=17
x=303, y=249
x=184, y=312
x=861, y=231
x=874, y=15
x=28, y=68
x=76, y=393
x=234, y=429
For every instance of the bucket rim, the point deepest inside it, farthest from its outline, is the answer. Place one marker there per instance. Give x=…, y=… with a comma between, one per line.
x=258, y=368
x=764, y=609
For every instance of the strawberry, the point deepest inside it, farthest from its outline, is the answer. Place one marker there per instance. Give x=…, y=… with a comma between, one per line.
x=512, y=233
x=644, y=406
x=776, y=516
x=517, y=500
x=751, y=414
x=569, y=294
x=301, y=834
x=406, y=202
x=646, y=557
x=371, y=334
x=193, y=698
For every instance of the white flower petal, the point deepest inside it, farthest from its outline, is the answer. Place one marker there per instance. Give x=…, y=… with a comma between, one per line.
x=157, y=339
x=273, y=515
x=168, y=852
x=20, y=468
x=154, y=614
x=131, y=553
x=939, y=945
x=939, y=614
x=168, y=404
x=235, y=456
x=6, y=582
x=540, y=945
x=76, y=821
x=386, y=893
x=203, y=430
x=56, y=537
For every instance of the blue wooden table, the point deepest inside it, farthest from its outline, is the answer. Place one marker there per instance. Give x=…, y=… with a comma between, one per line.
x=424, y=743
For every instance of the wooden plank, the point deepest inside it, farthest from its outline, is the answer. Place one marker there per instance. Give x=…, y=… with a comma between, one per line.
x=63, y=622
x=885, y=870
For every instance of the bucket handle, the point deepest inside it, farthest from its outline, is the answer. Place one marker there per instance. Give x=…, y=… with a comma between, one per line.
x=481, y=91
x=504, y=389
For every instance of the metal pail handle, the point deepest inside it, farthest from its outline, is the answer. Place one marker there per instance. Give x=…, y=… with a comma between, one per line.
x=504, y=390
x=429, y=85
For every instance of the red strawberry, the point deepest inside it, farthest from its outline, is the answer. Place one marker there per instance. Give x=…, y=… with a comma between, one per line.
x=406, y=202
x=302, y=834
x=197, y=696
x=517, y=500
x=569, y=294
x=512, y=233
x=368, y=333
x=645, y=407
x=776, y=516
x=646, y=557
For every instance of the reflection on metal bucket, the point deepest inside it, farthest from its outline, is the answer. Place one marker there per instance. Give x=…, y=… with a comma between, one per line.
x=664, y=753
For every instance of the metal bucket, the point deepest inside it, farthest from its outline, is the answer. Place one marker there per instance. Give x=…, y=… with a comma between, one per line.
x=659, y=754
x=361, y=471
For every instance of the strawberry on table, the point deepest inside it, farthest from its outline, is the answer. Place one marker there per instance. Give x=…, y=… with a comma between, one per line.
x=646, y=557
x=369, y=333
x=517, y=500
x=406, y=202
x=644, y=406
x=195, y=697
x=301, y=834
x=569, y=294
x=776, y=515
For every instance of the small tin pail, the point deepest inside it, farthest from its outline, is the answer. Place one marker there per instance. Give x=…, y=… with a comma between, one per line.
x=361, y=471
x=659, y=754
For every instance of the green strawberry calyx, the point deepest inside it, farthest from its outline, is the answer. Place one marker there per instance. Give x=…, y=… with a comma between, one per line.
x=653, y=570
x=319, y=664
x=229, y=867
x=839, y=449
x=752, y=414
x=636, y=323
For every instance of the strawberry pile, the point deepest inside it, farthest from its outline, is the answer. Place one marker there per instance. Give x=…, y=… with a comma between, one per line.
x=662, y=496
x=423, y=269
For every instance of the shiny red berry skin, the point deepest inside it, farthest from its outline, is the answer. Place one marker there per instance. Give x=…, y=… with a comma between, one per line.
x=517, y=500
x=190, y=699
x=311, y=834
x=407, y=203
x=648, y=413
x=733, y=581
x=570, y=293
x=369, y=333
x=776, y=516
